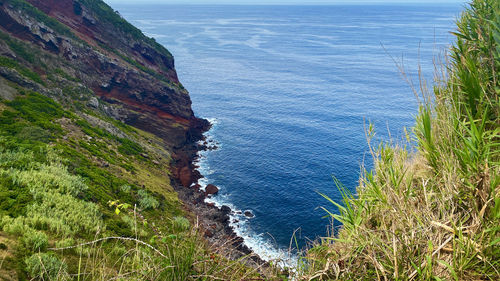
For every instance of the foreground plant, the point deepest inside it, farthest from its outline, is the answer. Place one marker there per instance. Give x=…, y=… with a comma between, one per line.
x=431, y=213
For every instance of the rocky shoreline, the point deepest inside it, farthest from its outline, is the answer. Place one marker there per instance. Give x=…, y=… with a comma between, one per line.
x=212, y=221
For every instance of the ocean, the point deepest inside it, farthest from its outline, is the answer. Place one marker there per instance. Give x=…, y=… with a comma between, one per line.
x=290, y=90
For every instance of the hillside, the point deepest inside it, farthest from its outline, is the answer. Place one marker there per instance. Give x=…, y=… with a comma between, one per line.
x=97, y=138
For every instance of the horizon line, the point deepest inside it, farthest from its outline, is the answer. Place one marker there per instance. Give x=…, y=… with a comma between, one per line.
x=292, y=3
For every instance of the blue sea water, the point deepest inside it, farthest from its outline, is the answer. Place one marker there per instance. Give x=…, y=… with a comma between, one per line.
x=289, y=90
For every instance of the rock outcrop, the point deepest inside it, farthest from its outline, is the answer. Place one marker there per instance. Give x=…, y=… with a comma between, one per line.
x=130, y=73
x=211, y=189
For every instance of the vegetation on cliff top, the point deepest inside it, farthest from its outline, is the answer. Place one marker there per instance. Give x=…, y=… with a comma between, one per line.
x=431, y=212
x=106, y=13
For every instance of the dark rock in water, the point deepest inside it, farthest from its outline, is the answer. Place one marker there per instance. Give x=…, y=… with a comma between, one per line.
x=249, y=214
x=211, y=189
x=225, y=210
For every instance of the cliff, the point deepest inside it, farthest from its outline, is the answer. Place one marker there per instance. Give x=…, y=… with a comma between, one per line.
x=97, y=138
x=132, y=76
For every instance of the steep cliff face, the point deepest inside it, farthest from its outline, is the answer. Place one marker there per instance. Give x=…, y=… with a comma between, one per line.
x=84, y=43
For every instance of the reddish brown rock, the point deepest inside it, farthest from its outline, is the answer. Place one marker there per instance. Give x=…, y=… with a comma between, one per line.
x=145, y=94
x=211, y=189
x=209, y=233
x=185, y=176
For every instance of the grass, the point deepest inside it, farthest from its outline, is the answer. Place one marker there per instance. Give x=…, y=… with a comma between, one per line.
x=10, y=63
x=54, y=195
x=41, y=17
x=19, y=48
x=430, y=210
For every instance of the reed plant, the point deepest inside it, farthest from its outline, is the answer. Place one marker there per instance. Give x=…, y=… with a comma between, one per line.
x=430, y=209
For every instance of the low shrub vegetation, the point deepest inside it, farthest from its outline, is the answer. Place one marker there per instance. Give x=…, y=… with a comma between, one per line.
x=10, y=63
x=46, y=267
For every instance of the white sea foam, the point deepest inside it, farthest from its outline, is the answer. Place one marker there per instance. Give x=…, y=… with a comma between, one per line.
x=262, y=244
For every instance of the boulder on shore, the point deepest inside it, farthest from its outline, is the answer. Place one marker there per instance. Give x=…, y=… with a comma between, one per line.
x=211, y=189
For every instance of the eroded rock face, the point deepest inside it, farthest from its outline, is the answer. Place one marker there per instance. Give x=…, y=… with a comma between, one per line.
x=109, y=65
x=133, y=75
x=185, y=176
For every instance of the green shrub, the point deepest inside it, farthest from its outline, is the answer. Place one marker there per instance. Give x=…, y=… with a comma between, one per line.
x=181, y=224
x=34, y=133
x=49, y=177
x=13, y=199
x=66, y=242
x=16, y=226
x=64, y=214
x=32, y=110
x=16, y=159
x=54, y=205
x=147, y=201
x=35, y=240
x=129, y=147
x=44, y=266
x=125, y=188
x=37, y=108
x=119, y=227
